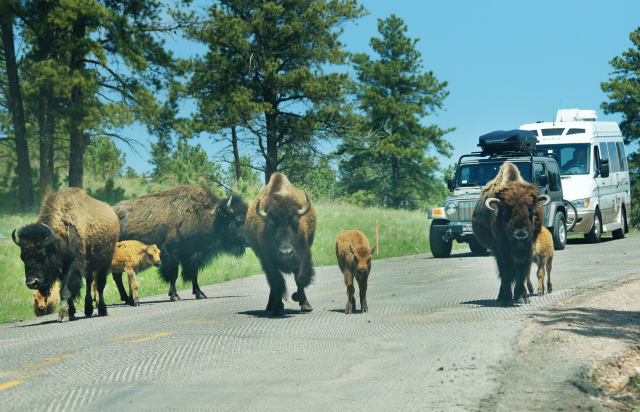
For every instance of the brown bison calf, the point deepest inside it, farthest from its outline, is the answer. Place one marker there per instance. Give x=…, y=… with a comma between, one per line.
x=46, y=305
x=354, y=258
x=131, y=257
x=543, y=256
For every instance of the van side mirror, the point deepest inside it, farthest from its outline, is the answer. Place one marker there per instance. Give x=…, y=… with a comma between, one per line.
x=450, y=185
x=544, y=180
x=604, y=167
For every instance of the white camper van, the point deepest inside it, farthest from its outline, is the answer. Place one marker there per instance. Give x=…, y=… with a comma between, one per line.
x=593, y=170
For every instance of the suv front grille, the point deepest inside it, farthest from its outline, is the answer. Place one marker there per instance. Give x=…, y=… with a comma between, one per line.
x=464, y=210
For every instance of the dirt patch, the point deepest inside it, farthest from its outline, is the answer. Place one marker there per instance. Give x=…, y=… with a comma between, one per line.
x=565, y=359
x=619, y=379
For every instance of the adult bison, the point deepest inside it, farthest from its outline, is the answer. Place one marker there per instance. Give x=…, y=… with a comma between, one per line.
x=280, y=226
x=507, y=219
x=189, y=224
x=73, y=237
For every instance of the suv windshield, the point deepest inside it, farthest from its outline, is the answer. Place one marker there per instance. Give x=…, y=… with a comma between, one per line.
x=479, y=174
x=573, y=158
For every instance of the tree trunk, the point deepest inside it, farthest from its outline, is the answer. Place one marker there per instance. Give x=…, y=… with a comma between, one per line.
x=17, y=112
x=76, y=133
x=271, y=161
x=46, y=117
x=236, y=154
x=394, y=182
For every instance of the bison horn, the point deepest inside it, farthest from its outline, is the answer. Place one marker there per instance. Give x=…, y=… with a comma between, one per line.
x=260, y=212
x=544, y=199
x=351, y=249
x=306, y=207
x=50, y=238
x=229, y=210
x=488, y=202
x=13, y=236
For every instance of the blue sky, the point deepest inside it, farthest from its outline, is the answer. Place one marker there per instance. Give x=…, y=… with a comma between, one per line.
x=507, y=63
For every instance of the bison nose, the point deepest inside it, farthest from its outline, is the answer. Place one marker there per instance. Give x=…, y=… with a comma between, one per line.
x=521, y=237
x=286, y=251
x=31, y=283
x=157, y=264
x=362, y=271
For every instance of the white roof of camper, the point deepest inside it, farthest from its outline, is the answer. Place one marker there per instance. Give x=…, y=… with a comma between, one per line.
x=575, y=119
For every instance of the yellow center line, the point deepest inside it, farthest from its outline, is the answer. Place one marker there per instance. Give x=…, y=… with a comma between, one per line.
x=48, y=361
x=201, y=320
x=157, y=335
x=10, y=385
x=126, y=337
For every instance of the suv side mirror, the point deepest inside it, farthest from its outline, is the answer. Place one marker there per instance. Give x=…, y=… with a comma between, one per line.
x=544, y=180
x=450, y=185
x=604, y=167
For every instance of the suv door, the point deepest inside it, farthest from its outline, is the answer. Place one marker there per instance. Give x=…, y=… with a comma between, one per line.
x=606, y=188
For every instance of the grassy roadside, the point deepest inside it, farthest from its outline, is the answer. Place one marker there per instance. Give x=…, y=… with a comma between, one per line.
x=401, y=233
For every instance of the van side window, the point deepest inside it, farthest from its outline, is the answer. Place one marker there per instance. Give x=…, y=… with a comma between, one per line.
x=552, y=132
x=604, y=153
x=613, y=157
x=575, y=131
x=538, y=170
x=554, y=177
x=623, y=157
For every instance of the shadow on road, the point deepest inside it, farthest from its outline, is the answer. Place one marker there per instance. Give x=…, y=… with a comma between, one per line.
x=491, y=303
x=606, y=323
x=267, y=314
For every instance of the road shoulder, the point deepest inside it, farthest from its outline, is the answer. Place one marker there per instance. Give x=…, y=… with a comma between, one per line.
x=554, y=354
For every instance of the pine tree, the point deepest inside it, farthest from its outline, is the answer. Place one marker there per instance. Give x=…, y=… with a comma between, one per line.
x=264, y=71
x=390, y=163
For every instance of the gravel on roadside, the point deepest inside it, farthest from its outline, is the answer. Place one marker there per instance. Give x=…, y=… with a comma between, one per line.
x=575, y=355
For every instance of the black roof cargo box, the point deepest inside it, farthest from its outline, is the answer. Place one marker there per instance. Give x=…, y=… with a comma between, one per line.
x=508, y=141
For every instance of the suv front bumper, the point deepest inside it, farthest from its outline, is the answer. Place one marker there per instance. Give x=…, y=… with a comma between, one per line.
x=453, y=230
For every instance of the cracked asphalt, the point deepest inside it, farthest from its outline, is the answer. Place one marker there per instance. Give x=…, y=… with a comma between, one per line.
x=433, y=340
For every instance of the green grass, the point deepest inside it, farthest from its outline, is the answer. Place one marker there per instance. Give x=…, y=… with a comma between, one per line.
x=401, y=233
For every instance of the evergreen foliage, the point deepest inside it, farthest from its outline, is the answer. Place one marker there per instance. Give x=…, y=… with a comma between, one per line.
x=264, y=72
x=388, y=163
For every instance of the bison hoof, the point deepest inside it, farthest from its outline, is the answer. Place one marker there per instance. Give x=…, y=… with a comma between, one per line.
x=540, y=292
x=63, y=320
x=505, y=302
x=102, y=312
x=364, y=310
x=347, y=311
x=200, y=295
x=88, y=311
x=136, y=303
x=175, y=298
x=306, y=306
x=277, y=312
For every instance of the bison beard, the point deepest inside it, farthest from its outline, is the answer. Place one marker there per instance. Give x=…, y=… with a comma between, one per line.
x=189, y=224
x=280, y=230
x=74, y=237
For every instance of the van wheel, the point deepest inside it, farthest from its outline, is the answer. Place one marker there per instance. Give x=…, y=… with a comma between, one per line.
x=619, y=233
x=439, y=248
x=476, y=247
x=595, y=234
x=559, y=231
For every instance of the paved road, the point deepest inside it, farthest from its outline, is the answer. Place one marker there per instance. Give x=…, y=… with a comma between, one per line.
x=431, y=342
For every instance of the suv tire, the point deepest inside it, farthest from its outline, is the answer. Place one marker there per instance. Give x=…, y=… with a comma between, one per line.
x=619, y=233
x=595, y=234
x=439, y=248
x=476, y=247
x=559, y=231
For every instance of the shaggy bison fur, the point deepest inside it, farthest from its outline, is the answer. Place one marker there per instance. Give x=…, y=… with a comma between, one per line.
x=281, y=223
x=189, y=224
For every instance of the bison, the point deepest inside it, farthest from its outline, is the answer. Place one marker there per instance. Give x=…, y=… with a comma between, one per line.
x=507, y=219
x=543, y=256
x=73, y=237
x=131, y=257
x=281, y=223
x=354, y=258
x=46, y=305
x=189, y=224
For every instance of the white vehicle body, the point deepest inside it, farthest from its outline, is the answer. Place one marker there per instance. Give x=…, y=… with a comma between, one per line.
x=572, y=134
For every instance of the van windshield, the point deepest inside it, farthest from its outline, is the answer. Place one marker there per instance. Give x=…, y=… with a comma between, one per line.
x=479, y=174
x=573, y=158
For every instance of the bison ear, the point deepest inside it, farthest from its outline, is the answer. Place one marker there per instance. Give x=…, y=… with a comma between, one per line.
x=492, y=201
x=372, y=250
x=544, y=199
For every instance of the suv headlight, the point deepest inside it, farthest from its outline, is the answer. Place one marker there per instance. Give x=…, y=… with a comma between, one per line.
x=581, y=204
x=451, y=208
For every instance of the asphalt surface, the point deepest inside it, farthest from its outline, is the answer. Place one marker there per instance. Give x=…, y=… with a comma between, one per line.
x=431, y=341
